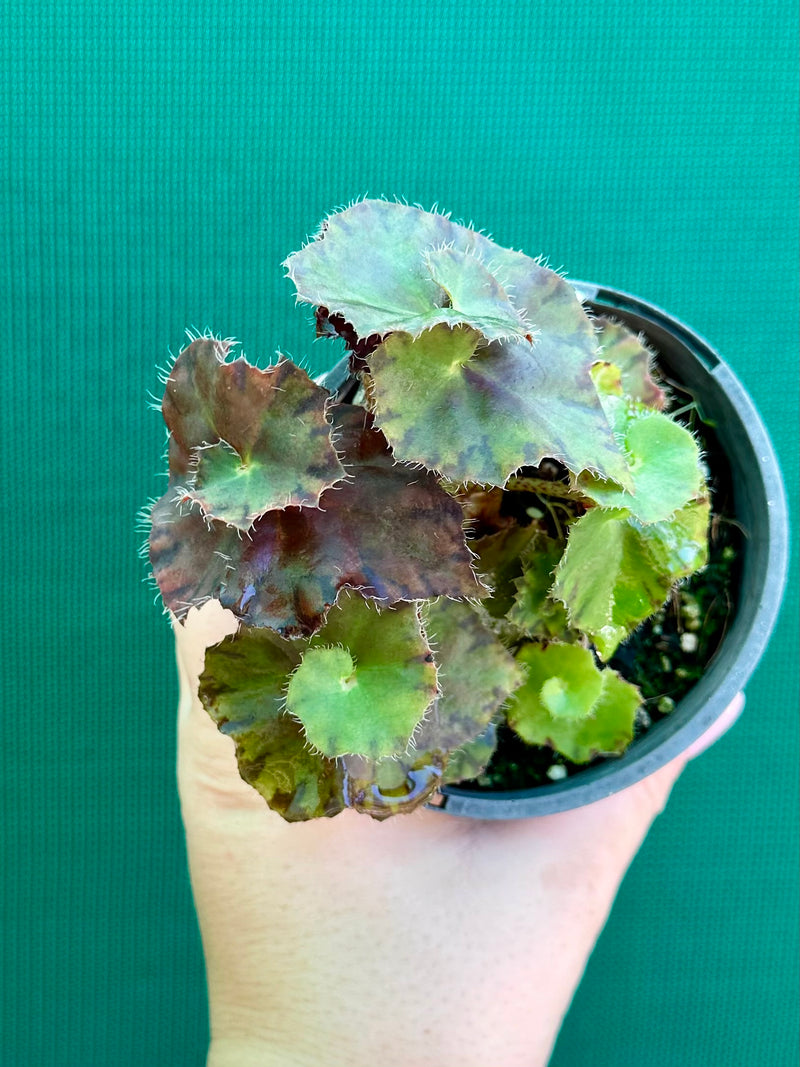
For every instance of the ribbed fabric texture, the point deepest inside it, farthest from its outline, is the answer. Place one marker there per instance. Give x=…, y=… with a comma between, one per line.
x=159, y=162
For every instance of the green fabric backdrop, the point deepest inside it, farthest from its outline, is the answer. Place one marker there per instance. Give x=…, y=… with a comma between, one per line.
x=159, y=163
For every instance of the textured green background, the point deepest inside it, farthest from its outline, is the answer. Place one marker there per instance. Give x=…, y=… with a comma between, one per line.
x=159, y=162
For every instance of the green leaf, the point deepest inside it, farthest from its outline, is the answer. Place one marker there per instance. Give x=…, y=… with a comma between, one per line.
x=560, y=680
x=633, y=360
x=471, y=759
x=664, y=463
x=474, y=294
x=534, y=612
x=365, y=681
x=570, y=705
x=499, y=562
x=372, y=532
x=242, y=688
x=476, y=676
x=616, y=571
x=245, y=676
x=386, y=267
x=478, y=412
x=255, y=440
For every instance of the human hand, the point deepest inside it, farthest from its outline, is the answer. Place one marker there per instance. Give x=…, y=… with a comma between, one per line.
x=426, y=939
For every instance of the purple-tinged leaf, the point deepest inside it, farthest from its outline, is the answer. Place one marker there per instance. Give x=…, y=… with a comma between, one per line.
x=389, y=530
x=247, y=440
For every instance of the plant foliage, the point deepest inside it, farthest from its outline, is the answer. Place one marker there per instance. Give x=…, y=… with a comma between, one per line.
x=461, y=550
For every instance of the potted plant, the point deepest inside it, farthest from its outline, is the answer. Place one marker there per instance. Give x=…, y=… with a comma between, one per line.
x=444, y=553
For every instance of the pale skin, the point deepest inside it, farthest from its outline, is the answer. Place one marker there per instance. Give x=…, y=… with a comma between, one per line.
x=426, y=939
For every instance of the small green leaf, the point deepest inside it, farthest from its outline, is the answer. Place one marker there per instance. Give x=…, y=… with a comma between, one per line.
x=499, y=562
x=616, y=571
x=478, y=412
x=561, y=681
x=664, y=463
x=534, y=611
x=365, y=681
x=476, y=675
x=386, y=267
x=570, y=705
x=626, y=351
x=475, y=296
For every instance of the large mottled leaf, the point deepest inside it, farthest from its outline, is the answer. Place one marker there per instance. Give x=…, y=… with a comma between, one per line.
x=365, y=681
x=384, y=267
x=478, y=412
x=242, y=687
x=568, y=703
x=616, y=571
x=247, y=440
x=624, y=350
x=389, y=530
x=664, y=461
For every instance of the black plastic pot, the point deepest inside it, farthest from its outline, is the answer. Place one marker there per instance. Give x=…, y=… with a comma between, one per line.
x=760, y=508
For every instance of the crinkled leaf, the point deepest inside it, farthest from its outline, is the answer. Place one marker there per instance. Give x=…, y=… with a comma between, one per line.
x=242, y=688
x=471, y=759
x=478, y=412
x=626, y=351
x=561, y=679
x=256, y=439
x=384, y=267
x=616, y=571
x=664, y=463
x=474, y=294
x=499, y=563
x=534, y=611
x=476, y=675
x=567, y=703
x=296, y=782
x=373, y=532
x=365, y=681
